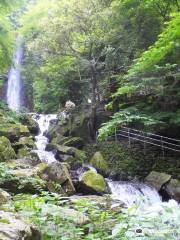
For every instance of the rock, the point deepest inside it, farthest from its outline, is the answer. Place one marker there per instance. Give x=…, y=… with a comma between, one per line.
x=157, y=179
x=76, y=142
x=173, y=189
x=59, y=173
x=72, y=215
x=65, y=150
x=30, y=123
x=23, y=152
x=23, y=163
x=14, y=131
x=92, y=182
x=22, y=180
x=100, y=164
x=24, y=142
x=13, y=228
x=67, y=154
x=4, y=197
x=6, y=150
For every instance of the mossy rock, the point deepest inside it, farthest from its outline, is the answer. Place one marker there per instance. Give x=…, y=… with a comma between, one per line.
x=76, y=142
x=14, y=131
x=100, y=164
x=157, y=179
x=59, y=174
x=4, y=196
x=24, y=141
x=31, y=124
x=23, y=152
x=6, y=150
x=92, y=182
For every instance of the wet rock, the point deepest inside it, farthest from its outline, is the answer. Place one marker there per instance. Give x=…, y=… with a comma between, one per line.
x=13, y=228
x=100, y=164
x=4, y=196
x=6, y=150
x=92, y=183
x=173, y=189
x=30, y=123
x=157, y=179
x=59, y=173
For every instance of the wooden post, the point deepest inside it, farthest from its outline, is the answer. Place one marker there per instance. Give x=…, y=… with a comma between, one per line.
x=129, y=138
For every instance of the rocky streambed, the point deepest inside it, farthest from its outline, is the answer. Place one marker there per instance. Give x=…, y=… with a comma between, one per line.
x=48, y=180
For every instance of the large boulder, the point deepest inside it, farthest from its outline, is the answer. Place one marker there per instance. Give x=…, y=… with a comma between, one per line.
x=14, y=131
x=92, y=183
x=67, y=154
x=4, y=196
x=157, y=180
x=24, y=142
x=100, y=164
x=58, y=173
x=6, y=150
x=22, y=178
x=30, y=123
x=13, y=228
x=173, y=189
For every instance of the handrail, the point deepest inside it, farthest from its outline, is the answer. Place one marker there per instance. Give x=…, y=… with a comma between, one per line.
x=147, y=138
x=173, y=139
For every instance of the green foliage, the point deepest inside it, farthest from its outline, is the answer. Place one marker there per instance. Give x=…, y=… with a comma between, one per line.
x=125, y=117
x=167, y=43
x=150, y=224
x=44, y=212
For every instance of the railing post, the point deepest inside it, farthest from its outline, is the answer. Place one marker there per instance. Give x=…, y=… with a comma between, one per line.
x=162, y=146
x=143, y=134
x=129, y=139
x=115, y=135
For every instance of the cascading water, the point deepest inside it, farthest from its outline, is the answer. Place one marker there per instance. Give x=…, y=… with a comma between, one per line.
x=14, y=79
x=129, y=193
x=42, y=141
x=133, y=193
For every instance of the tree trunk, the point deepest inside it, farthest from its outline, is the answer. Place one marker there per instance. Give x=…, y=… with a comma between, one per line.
x=94, y=103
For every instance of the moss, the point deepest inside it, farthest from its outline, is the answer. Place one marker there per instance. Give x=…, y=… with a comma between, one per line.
x=80, y=156
x=6, y=151
x=123, y=161
x=94, y=180
x=23, y=152
x=100, y=163
x=40, y=168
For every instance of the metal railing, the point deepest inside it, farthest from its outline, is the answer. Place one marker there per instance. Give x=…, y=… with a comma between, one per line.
x=146, y=138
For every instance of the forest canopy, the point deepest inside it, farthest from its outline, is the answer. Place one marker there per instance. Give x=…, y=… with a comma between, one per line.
x=122, y=53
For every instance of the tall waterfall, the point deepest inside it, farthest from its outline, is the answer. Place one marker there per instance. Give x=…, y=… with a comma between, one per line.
x=14, y=79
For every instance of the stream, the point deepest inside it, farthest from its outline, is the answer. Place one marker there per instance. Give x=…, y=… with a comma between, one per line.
x=129, y=193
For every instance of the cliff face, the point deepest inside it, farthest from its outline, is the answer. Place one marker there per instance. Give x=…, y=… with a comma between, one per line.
x=3, y=88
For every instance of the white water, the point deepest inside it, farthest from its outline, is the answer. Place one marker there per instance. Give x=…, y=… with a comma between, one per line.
x=14, y=79
x=42, y=141
x=133, y=193
x=129, y=193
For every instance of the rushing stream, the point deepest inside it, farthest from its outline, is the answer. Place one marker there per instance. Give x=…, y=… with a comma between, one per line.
x=14, y=88
x=128, y=192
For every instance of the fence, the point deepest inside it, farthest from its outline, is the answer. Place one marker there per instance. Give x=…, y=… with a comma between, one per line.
x=146, y=138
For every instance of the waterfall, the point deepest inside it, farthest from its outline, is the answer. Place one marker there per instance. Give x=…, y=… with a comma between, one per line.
x=42, y=141
x=14, y=79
